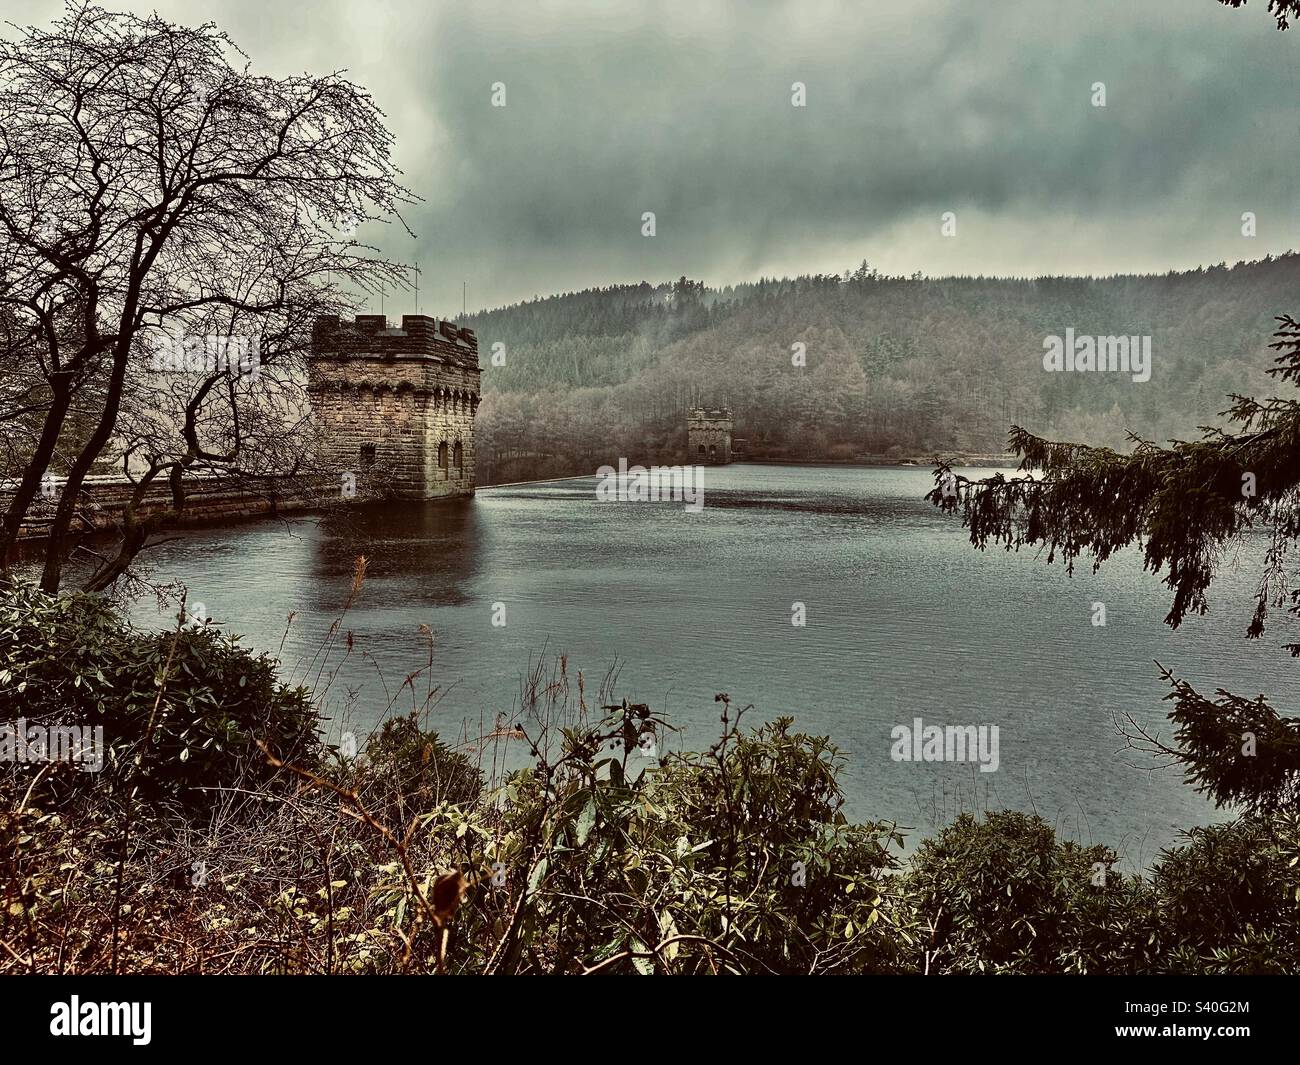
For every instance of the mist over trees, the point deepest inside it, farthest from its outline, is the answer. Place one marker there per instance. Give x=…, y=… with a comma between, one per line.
x=893, y=367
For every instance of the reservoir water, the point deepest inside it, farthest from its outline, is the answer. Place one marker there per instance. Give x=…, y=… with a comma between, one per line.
x=904, y=619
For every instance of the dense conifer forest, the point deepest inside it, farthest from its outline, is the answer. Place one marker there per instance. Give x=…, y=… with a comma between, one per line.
x=894, y=367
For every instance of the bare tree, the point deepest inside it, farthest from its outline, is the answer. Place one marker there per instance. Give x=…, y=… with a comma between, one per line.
x=170, y=225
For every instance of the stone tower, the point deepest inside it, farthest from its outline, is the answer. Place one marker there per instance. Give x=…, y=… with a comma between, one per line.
x=708, y=435
x=395, y=407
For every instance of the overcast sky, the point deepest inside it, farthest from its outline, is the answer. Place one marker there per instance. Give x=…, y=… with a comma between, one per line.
x=913, y=109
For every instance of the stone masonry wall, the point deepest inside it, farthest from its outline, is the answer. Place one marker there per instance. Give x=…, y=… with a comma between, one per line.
x=208, y=498
x=403, y=392
x=708, y=435
x=396, y=406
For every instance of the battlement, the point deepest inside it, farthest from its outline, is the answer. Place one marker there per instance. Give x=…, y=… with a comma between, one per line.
x=369, y=336
x=394, y=406
x=708, y=414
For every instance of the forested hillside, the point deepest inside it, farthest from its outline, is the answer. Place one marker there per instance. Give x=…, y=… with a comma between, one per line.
x=901, y=367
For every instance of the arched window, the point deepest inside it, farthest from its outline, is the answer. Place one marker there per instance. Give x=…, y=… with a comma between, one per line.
x=713, y=451
x=442, y=455
x=701, y=450
x=458, y=456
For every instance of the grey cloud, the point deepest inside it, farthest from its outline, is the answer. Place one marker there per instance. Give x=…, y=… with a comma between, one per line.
x=913, y=109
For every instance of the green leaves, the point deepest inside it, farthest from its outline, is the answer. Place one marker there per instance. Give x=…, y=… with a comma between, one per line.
x=75, y=660
x=586, y=821
x=537, y=876
x=686, y=867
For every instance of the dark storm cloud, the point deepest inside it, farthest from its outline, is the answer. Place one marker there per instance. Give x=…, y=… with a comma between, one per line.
x=912, y=110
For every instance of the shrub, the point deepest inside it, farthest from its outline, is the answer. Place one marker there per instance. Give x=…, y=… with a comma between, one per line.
x=1228, y=900
x=190, y=705
x=1004, y=895
x=416, y=767
x=737, y=859
x=602, y=856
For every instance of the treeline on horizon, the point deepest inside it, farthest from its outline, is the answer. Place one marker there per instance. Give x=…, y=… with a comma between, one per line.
x=894, y=366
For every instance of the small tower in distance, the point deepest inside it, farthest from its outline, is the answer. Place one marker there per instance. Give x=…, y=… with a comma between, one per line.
x=708, y=435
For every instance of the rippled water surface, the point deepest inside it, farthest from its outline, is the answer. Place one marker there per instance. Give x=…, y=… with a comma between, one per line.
x=904, y=619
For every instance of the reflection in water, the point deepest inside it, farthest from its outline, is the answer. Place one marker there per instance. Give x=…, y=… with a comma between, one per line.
x=904, y=620
x=425, y=551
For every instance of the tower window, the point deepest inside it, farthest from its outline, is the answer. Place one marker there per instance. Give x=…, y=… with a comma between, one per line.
x=442, y=455
x=458, y=456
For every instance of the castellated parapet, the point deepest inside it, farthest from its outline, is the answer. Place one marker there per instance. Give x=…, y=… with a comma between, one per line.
x=708, y=435
x=395, y=407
